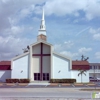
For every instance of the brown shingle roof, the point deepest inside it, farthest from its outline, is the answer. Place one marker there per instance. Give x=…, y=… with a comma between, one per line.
x=80, y=63
x=5, y=62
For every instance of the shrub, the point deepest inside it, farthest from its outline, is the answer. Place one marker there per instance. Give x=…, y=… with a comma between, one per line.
x=24, y=80
x=17, y=80
x=62, y=80
x=12, y=80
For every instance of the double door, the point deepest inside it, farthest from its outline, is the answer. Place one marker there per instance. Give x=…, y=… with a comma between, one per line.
x=45, y=76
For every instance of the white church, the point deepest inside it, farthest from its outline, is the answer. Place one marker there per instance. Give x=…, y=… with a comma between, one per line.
x=41, y=63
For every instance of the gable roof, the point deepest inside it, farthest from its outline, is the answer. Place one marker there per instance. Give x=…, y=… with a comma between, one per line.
x=19, y=56
x=5, y=62
x=41, y=42
x=61, y=55
x=80, y=63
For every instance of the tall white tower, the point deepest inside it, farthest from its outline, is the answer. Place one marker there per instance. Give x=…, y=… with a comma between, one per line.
x=42, y=30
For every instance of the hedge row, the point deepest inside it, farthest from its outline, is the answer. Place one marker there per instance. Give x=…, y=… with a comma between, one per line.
x=17, y=80
x=62, y=80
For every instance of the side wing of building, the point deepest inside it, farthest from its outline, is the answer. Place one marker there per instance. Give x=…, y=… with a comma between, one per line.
x=5, y=70
x=20, y=66
x=61, y=66
x=77, y=67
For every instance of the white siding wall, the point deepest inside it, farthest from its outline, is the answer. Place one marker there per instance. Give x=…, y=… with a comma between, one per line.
x=78, y=78
x=5, y=75
x=61, y=67
x=20, y=64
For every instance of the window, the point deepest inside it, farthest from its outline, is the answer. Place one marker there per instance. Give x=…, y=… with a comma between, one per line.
x=90, y=67
x=46, y=76
x=36, y=76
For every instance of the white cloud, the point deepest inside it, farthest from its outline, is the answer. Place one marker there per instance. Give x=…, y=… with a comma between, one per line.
x=83, y=50
x=90, y=9
x=95, y=33
x=64, y=46
x=16, y=29
x=68, y=44
x=92, y=31
x=96, y=36
x=64, y=7
x=11, y=46
x=70, y=54
x=36, y=19
x=97, y=54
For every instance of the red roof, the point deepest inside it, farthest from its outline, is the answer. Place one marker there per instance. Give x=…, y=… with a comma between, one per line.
x=80, y=62
x=78, y=65
x=5, y=63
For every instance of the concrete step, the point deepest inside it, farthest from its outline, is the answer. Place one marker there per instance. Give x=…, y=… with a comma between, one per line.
x=39, y=83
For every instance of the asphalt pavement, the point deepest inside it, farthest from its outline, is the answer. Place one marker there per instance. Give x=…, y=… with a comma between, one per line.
x=45, y=93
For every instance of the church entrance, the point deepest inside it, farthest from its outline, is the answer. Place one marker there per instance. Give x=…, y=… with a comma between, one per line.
x=45, y=76
x=41, y=76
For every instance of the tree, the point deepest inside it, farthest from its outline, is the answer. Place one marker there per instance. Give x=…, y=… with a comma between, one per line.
x=81, y=73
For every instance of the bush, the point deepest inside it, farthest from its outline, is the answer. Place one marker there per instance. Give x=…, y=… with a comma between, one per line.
x=12, y=80
x=62, y=80
x=17, y=80
x=24, y=80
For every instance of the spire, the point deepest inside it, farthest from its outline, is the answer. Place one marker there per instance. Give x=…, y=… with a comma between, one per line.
x=42, y=29
x=43, y=15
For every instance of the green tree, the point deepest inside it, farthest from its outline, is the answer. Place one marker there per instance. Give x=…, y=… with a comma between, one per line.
x=81, y=73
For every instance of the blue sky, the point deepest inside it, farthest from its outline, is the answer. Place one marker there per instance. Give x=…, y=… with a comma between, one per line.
x=73, y=26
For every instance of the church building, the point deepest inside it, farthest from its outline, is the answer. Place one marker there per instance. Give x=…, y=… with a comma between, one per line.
x=41, y=63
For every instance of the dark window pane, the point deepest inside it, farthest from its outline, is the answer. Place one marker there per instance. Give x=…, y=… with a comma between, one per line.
x=38, y=74
x=48, y=74
x=43, y=78
x=38, y=78
x=47, y=78
x=34, y=78
x=34, y=74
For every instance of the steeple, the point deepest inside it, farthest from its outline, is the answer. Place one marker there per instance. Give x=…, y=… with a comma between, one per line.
x=42, y=30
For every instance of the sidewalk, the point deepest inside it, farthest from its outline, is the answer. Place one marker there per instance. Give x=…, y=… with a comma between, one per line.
x=49, y=84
